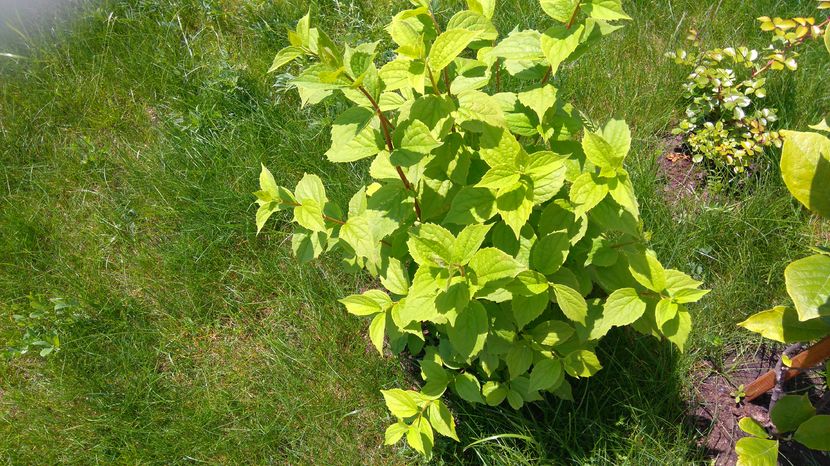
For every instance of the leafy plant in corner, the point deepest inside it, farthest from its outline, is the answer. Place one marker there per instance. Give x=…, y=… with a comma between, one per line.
x=805, y=167
x=724, y=123
x=40, y=323
x=506, y=248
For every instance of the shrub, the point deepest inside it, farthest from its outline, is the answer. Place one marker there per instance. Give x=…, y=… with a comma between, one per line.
x=724, y=122
x=506, y=248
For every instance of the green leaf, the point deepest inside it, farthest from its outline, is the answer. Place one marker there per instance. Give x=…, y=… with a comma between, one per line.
x=285, y=56
x=559, y=42
x=571, y=302
x=403, y=73
x=791, y=411
x=413, y=140
x=431, y=244
x=528, y=308
x=436, y=379
x=623, y=307
x=752, y=427
x=499, y=177
x=396, y=278
x=377, y=331
x=309, y=215
x=781, y=324
x=519, y=45
x=515, y=204
x=813, y=433
x=395, y=432
x=547, y=171
x=485, y=7
x=647, y=270
x=599, y=151
x=474, y=21
x=552, y=332
x=586, y=192
x=407, y=32
x=477, y=111
x=560, y=10
x=540, y=99
x=311, y=187
x=519, y=359
x=609, y=10
x=546, y=374
x=368, y=303
x=756, y=452
x=468, y=388
x=472, y=205
x=491, y=264
x=354, y=136
x=468, y=243
x=805, y=167
x=665, y=311
x=550, y=252
x=808, y=284
x=420, y=436
x=494, y=393
x=582, y=363
x=400, y=403
x=447, y=46
x=677, y=330
x=441, y=419
x=307, y=245
x=617, y=134
x=469, y=332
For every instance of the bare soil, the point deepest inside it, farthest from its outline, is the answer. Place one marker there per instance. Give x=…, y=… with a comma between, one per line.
x=714, y=414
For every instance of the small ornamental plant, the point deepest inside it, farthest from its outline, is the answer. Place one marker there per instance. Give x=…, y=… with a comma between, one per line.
x=724, y=122
x=505, y=245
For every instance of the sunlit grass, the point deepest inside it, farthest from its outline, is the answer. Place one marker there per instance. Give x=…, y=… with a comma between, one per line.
x=130, y=139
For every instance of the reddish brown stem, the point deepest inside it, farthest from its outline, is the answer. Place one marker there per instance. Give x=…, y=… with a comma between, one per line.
x=812, y=356
x=547, y=75
x=385, y=126
x=573, y=16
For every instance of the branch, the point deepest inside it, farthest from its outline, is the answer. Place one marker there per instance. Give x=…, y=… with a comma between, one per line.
x=780, y=370
x=385, y=126
x=573, y=15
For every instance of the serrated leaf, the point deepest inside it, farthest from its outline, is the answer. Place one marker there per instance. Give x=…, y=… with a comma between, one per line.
x=519, y=359
x=377, y=331
x=494, y=393
x=790, y=411
x=472, y=205
x=586, y=192
x=647, y=270
x=560, y=10
x=436, y=378
x=354, y=137
x=546, y=374
x=472, y=20
x=468, y=243
x=547, y=171
x=550, y=252
x=677, y=330
x=441, y=419
x=559, y=42
x=311, y=187
x=309, y=215
x=528, y=308
x=665, y=311
x=285, y=56
x=447, y=46
x=571, y=302
x=400, y=403
x=431, y=244
x=485, y=7
x=599, y=151
x=609, y=10
x=477, y=111
x=420, y=436
x=394, y=432
x=552, y=332
x=623, y=307
x=519, y=45
x=368, y=303
x=491, y=264
x=468, y=387
x=582, y=363
x=808, y=284
x=469, y=332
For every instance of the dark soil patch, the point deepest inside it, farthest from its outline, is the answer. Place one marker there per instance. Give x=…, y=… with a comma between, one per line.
x=683, y=178
x=714, y=414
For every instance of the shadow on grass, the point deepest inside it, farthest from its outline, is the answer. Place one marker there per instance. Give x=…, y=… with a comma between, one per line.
x=632, y=411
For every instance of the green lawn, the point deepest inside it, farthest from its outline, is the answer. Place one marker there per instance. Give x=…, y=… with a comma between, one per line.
x=131, y=137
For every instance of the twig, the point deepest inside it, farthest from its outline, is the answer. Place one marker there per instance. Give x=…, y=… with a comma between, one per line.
x=573, y=15
x=825, y=23
x=780, y=369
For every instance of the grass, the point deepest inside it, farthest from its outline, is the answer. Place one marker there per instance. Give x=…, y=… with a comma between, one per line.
x=131, y=135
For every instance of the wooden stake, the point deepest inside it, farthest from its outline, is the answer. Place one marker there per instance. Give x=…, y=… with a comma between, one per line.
x=808, y=358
